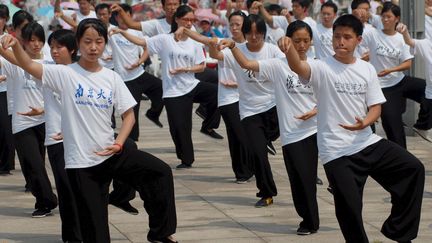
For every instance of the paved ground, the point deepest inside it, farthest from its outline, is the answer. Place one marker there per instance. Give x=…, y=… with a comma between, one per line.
x=210, y=206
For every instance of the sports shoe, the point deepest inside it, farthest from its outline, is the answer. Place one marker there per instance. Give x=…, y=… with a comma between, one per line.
x=41, y=213
x=304, y=231
x=183, y=166
x=127, y=207
x=270, y=148
x=264, y=202
x=154, y=120
x=211, y=133
x=319, y=181
x=424, y=134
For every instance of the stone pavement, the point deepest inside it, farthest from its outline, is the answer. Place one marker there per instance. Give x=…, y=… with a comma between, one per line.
x=210, y=206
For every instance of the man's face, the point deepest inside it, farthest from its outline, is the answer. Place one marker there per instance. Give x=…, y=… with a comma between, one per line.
x=104, y=15
x=345, y=41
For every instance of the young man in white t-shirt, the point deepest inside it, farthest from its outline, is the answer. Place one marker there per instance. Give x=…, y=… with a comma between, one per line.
x=349, y=100
x=323, y=33
x=423, y=49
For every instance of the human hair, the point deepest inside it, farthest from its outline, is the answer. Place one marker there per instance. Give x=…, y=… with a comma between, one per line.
x=302, y=3
x=349, y=20
x=298, y=25
x=33, y=28
x=259, y=23
x=20, y=17
x=274, y=7
x=181, y=11
x=102, y=6
x=330, y=4
x=96, y=24
x=4, y=14
x=237, y=13
x=389, y=6
x=356, y=3
x=163, y=2
x=249, y=3
x=126, y=7
x=65, y=38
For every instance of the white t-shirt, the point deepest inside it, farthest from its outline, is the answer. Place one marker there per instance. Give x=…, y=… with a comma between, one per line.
x=375, y=21
x=423, y=48
x=107, y=53
x=24, y=92
x=282, y=22
x=87, y=99
x=126, y=53
x=362, y=48
x=226, y=95
x=256, y=95
x=155, y=27
x=343, y=91
x=8, y=83
x=292, y=99
x=274, y=34
x=323, y=41
x=387, y=51
x=428, y=27
x=79, y=17
x=173, y=55
x=53, y=108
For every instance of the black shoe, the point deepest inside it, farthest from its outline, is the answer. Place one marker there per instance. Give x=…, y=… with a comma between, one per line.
x=183, y=166
x=155, y=121
x=319, y=181
x=162, y=240
x=41, y=213
x=270, y=148
x=264, y=202
x=304, y=231
x=127, y=207
x=212, y=133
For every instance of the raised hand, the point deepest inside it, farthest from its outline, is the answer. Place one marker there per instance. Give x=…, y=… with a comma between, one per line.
x=284, y=44
x=226, y=43
x=8, y=41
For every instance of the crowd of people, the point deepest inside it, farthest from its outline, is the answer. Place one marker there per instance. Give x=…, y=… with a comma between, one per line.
x=319, y=85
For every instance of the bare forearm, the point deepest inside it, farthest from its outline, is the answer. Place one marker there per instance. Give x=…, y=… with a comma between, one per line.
x=134, y=39
x=26, y=63
x=130, y=22
x=402, y=67
x=197, y=36
x=126, y=127
x=372, y=116
x=243, y=61
x=408, y=40
x=297, y=65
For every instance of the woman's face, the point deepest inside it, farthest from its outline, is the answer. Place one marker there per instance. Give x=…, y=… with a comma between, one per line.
x=254, y=38
x=91, y=45
x=236, y=23
x=33, y=46
x=60, y=53
x=389, y=20
x=186, y=21
x=302, y=41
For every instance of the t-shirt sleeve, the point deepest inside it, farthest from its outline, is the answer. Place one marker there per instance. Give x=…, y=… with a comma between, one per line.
x=54, y=76
x=123, y=99
x=281, y=22
x=155, y=44
x=405, y=53
x=148, y=28
x=268, y=68
x=229, y=60
x=374, y=94
x=199, y=54
x=422, y=48
x=316, y=72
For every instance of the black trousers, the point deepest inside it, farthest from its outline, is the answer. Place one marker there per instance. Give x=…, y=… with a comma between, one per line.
x=179, y=112
x=30, y=147
x=7, y=149
x=152, y=87
x=397, y=171
x=240, y=150
x=150, y=176
x=392, y=110
x=67, y=206
x=301, y=161
x=209, y=75
x=259, y=129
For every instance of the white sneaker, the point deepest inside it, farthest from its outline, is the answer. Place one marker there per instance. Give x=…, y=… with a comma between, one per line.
x=424, y=134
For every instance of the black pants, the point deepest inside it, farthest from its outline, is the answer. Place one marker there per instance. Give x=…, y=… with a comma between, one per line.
x=30, y=147
x=240, y=151
x=397, y=171
x=209, y=75
x=301, y=160
x=7, y=149
x=67, y=206
x=150, y=176
x=152, y=87
x=179, y=112
x=259, y=129
x=392, y=110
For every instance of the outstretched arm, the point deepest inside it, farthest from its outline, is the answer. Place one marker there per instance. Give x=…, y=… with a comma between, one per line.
x=132, y=38
x=126, y=18
x=300, y=67
x=8, y=55
x=372, y=115
x=267, y=17
x=25, y=62
x=252, y=65
x=402, y=67
x=181, y=31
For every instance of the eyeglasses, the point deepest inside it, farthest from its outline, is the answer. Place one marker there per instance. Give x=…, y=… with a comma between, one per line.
x=193, y=20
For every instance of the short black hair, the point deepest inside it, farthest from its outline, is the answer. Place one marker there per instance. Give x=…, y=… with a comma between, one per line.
x=249, y=3
x=20, y=17
x=389, y=6
x=303, y=3
x=96, y=24
x=102, y=6
x=181, y=11
x=126, y=7
x=163, y=2
x=298, y=25
x=237, y=13
x=349, y=20
x=259, y=23
x=65, y=38
x=356, y=3
x=330, y=4
x=274, y=7
x=33, y=28
x=4, y=12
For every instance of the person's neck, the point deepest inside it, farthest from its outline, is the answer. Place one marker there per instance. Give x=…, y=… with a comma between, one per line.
x=239, y=39
x=254, y=48
x=35, y=56
x=168, y=20
x=389, y=31
x=303, y=57
x=348, y=59
x=89, y=66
